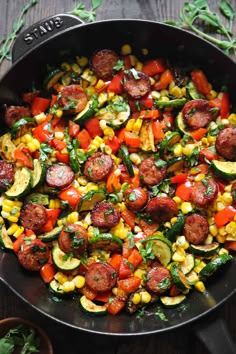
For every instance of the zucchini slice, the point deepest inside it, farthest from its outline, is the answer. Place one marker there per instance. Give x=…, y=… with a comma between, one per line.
x=188, y=264
x=126, y=159
x=176, y=229
x=92, y=308
x=20, y=123
x=88, y=200
x=107, y=242
x=37, y=198
x=22, y=184
x=161, y=247
x=51, y=235
x=116, y=113
x=168, y=141
x=224, y=169
x=172, y=301
x=52, y=78
x=56, y=288
x=204, y=250
x=146, y=136
x=176, y=103
x=193, y=93
x=38, y=173
x=214, y=265
x=180, y=124
x=175, y=164
x=87, y=112
x=5, y=240
x=62, y=260
x=178, y=277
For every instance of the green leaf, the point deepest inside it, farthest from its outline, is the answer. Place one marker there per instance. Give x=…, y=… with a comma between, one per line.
x=210, y=19
x=6, y=345
x=201, y=4
x=227, y=9
x=96, y=4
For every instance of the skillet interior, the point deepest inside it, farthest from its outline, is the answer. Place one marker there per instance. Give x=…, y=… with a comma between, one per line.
x=161, y=40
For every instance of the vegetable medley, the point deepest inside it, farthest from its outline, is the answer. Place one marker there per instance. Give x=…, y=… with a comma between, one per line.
x=118, y=181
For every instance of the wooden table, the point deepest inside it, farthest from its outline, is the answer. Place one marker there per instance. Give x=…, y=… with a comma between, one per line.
x=65, y=339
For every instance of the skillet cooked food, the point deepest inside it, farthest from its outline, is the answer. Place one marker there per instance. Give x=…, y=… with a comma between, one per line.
x=118, y=181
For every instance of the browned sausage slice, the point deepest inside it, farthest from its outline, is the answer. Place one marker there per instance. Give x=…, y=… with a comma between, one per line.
x=196, y=228
x=98, y=167
x=33, y=254
x=101, y=277
x=149, y=173
x=15, y=113
x=33, y=216
x=197, y=114
x=103, y=62
x=158, y=280
x=136, y=84
x=73, y=99
x=73, y=238
x=136, y=198
x=162, y=209
x=6, y=175
x=204, y=192
x=226, y=143
x=105, y=215
x=59, y=176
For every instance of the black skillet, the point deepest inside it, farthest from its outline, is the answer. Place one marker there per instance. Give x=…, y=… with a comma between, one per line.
x=49, y=42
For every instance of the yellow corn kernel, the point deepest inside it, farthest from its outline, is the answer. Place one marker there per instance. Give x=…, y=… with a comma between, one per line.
x=223, y=251
x=222, y=231
x=12, y=229
x=136, y=299
x=90, y=231
x=68, y=286
x=18, y=232
x=79, y=281
x=82, y=61
x=59, y=135
x=188, y=149
x=61, y=277
x=204, y=141
x=213, y=94
x=76, y=68
x=1, y=221
x=220, y=206
x=178, y=149
x=126, y=49
x=7, y=202
x=28, y=138
x=5, y=214
x=232, y=118
x=135, y=158
x=32, y=147
x=138, y=66
x=208, y=240
x=72, y=217
x=140, y=273
x=120, y=230
x=182, y=242
x=199, y=267
x=54, y=204
x=156, y=95
x=199, y=177
x=129, y=125
x=179, y=255
x=230, y=228
x=109, y=132
x=164, y=95
x=12, y=218
x=186, y=207
x=59, y=113
x=176, y=91
x=100, y=83
x=137, y=125
x=183, y=89
x=7, y=208
x=192, y=277
x=213, y=230
x=40, y=118
x=211, y=139
x=66, y=66
x=199, y=286
x=221, y=238
x=227, y=198
x=114, y=291
x=145, y=297
x=177, y=200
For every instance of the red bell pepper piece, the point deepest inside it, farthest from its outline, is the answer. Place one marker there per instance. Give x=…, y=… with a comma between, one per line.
x=71, y=195
x=113, y=183
x=165, y=79
x=84, y=139
x=207, y=154
x=183, y=190
x=52, y=216
x=198, y=134
x=230, y=245
x=127, y=62
x=132, y=139
x=116, y=305
x=47, y=272
x=148, y=229
x=59, y=144
x=145, y=102
x=135, y=258
x=115, y=261
x=59, y=124
x=93, y=127
x=116, y=84
x=181, y=178
x=157, y=129
x=224, y=216
x=18, y=242
x=126, y=249
x=89, y=293
x=125, y=269
x=39, y=105
x=103, y=297
x=174, y=291
x=114, y=144
x=130, y=284
x=200, y=82
x=63, y=157
x=152, y=113
x=73, y=128
x=121, y=135
x=43, y=132
x=22, y=155
x=129, y=217
x=167, y=121
x=153, y=66
x=225, y=106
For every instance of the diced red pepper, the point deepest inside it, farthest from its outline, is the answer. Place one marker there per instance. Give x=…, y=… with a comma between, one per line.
x=224, y=216
x=132, y=139
x=152, y=113
x=198, y=134
x=230, y=245
x=18, y=242
x=125, y=269
x=43, y=132
x=93, y=127
x=167, y=121
x=183, y=190
x=89, y=293
x=114, y=144
x=84, y=139
x=200, y=82
x=58, y=144
x=225, y=105
x=59, y=124
x=73, y=128
x=207, y=154
x=153, y=66
x=135, y=258
x=127, y=62
x=116, y=305
x=39, y=105
x=47, y=272
x=145, y=102
x=148, y=229
x=23, y=156
x=126, y=249
x=130, y=284
x=182, y=177
x=113, y=183
x=103, y=297
x=174, y=291
x=165, y=79
x=71, y=195
x=52, y=216
x=129, y=217
x=63, y=157
x=115, y=261
x=116, y=84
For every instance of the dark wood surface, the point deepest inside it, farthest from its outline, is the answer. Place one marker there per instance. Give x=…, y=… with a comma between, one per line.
x=65, y=339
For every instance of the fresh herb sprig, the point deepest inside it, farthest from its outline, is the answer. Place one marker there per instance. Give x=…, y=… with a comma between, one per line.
x=6, y=44
x=198, y=17
x=86, y=15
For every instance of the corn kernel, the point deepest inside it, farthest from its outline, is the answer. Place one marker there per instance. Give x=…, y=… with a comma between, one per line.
x=179, y=255
x=126, y=49
x=61, y=277
x=18, y=232
x=186, y=207
x=59, y=113
x=177, y=200
x=212, y=95
x=135, y=158
x=137, y=125
x=114, y=291
x=188, y=149
x=227, y=198
x=232, y=118
x=7, y=202
x=221, y=238
x=12, y=218
x=72, y=217
x=68, y=286
x=82, y=61
x=140, y=273
x=199, y=177
x=145, y=297
x=136, y=299
x=76, y=68
x=79, y=281
x=204, y=141
x=12, y=229
x=156, y=95
x=230, y=228
x=108, y=131
x=178, y=150
x=213, y=230
x=120, y=230
x=184, y=92
x=199, y=286
x=199, y=267
x=211, y=139
x=164, y=95
x=1, y=221
x=138, y=66
x=54, y=204
x=176, y=91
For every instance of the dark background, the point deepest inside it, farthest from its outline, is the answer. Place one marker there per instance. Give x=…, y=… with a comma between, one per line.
x=67, y=340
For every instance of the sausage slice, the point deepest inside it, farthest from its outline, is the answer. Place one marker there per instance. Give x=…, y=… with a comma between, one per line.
x=15, y=113
x=33, y=254
x=136, y=84
x=136, y=198
x=162, y=209
x=59, y=176
x=197, y=114
x=100, y=277
x=98, y=166
x=195, y=229
x=158, y=280
x=103, y=62
x=33, y=216
x=73, y=99
x=105, y=215
x=73, y=238
x=149, y=173
x=226, y=143
x=204, y=192
x=6, y=175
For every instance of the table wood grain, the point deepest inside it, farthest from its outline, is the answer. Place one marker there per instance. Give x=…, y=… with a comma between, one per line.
x=65, y=339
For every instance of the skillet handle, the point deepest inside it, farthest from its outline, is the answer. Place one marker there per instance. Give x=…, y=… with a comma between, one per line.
x=42, y=31
x=215, y=336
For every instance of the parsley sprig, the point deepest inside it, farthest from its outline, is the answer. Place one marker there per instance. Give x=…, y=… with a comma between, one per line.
x=86, y=15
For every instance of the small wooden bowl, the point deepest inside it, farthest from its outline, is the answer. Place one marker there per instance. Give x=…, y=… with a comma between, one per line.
x=11, y=322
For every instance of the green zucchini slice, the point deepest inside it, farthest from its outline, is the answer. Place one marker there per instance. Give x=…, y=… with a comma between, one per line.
x=204, y=250
x=87, y=112
x=20, y=123
x=214, y=265
x=37, y=198
x=180, y=124
x=168, y=141
x=126, y=159
x=88, y=200
x=178, y=277
x=172, y=301
x=191, y=89
x=92, y=308
x=22, y=184
x=176, y=103
x=147, y=137
x=62, y=260
x=56, y=288
x=175, y=164
x=5, y=240
x=38, y=173
x=224, y=169
x=176, y=229
x=51, y=235
x=188, y=264
x=116, y=113
x=107, y=242
x=161, y=247
x=52, y=78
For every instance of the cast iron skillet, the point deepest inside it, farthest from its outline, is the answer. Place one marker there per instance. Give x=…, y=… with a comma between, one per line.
x=41, y=45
